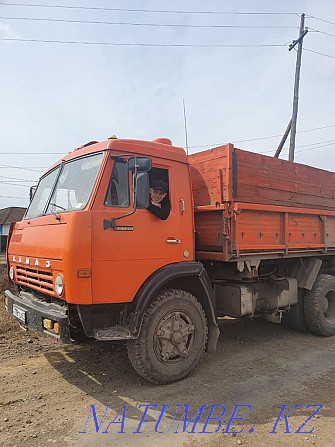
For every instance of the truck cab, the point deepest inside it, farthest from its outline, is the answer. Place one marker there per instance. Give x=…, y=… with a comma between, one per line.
x=89, y=256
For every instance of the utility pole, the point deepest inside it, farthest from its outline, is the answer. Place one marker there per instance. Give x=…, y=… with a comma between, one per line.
x=302, y=34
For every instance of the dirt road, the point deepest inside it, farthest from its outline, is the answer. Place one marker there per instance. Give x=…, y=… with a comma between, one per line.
x=47, y=390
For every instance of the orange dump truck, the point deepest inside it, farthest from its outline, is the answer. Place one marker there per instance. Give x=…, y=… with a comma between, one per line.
x=247, y=235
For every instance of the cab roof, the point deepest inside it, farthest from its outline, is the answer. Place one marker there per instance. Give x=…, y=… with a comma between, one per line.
x=161, y=148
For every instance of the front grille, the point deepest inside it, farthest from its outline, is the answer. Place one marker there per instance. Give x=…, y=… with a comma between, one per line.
x=36, y=279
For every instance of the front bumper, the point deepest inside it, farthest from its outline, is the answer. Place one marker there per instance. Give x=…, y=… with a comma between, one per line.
x=32, y=311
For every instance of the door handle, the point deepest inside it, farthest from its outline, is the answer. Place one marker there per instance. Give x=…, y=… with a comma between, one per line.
x=173, y=241
x=182, y=206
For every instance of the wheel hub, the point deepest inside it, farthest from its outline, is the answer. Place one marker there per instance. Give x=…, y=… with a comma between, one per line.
x=174, y=337
x=177, y=337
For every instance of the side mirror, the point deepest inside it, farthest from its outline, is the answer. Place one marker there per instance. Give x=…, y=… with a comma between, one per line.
x=32, y=192
x=142, y=164
x=142, y=190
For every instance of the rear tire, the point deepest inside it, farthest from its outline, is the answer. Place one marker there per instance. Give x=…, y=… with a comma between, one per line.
x=320, y=306
x=172, y=339
x=296, y=315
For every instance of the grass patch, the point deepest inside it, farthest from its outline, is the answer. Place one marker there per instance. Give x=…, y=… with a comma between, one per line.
x=5, y=283
x=7, y=324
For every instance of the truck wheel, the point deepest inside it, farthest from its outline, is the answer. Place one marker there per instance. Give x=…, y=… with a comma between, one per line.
x=172, y=339
x=296, y=316
x=320, y=306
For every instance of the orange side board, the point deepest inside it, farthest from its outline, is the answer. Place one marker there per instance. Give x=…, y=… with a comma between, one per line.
x=248, y=204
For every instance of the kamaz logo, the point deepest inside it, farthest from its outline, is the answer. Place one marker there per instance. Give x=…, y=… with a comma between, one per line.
x=28, y=261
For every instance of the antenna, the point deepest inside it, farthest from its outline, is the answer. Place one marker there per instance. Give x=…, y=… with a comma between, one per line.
x=185, y=125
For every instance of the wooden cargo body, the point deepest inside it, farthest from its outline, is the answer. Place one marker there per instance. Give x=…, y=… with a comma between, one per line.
x=251, y=205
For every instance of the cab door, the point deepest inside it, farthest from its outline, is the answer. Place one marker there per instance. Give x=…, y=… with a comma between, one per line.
x=124, y=257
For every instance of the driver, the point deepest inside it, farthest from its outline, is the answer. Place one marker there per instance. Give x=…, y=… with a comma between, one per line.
x=159, y=199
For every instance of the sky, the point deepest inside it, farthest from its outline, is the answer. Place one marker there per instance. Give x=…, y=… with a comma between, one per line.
x=228, y=60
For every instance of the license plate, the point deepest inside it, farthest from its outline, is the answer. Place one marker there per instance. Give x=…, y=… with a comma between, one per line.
x=19, y=313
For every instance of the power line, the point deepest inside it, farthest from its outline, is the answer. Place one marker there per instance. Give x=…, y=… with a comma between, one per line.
x=321, y=20
x=179, y=25
x=32, y=153
x=18, y=179
x=262, y=138
x=21, y=167
x=202, y=145
x=317, y=52
x=72, y=42
x=317, y=143
x=315, y=146
x=318, y=147
x=13, y=197
x=304, y=150
x=321, y=32
x=316, y=128
x=95, y=8
x=13, y=184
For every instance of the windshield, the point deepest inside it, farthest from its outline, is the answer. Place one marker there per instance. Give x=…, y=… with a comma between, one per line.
x=75, y=180
x=42, y=194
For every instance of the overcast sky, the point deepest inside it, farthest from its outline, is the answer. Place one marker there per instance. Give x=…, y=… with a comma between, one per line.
x=55, y=97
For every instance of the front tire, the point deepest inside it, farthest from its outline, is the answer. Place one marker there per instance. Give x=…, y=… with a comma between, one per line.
x=172, y=339
x=320, y=306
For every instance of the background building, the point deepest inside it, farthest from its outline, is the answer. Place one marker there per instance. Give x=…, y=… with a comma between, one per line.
x=8, y=215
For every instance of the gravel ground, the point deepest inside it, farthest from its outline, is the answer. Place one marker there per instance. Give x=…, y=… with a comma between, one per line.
x=47, y=390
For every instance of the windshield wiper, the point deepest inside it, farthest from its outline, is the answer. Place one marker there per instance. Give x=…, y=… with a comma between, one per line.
x=57, y=206
x=53, y=213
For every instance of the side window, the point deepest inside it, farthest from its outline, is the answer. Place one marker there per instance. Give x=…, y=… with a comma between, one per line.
x=160, y=175
x=118, y=188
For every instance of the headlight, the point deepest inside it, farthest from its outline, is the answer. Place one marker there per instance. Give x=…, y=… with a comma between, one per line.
x=59, y=285
x=11, y=273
